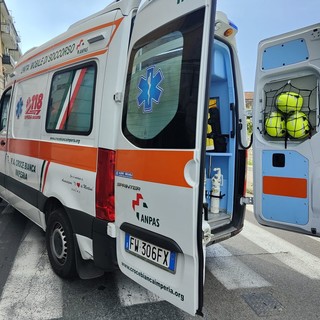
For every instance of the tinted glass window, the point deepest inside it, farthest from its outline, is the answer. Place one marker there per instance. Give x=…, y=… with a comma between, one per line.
x=162, y=86
x=156, y=70
x=71, y=101
x=4, y=109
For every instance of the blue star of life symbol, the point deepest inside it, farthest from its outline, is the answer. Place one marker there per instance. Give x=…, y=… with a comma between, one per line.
x=19, y=108
x=150, y=91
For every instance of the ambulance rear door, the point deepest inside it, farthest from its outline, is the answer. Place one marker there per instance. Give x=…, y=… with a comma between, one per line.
x=159, y=180
x=286, y=132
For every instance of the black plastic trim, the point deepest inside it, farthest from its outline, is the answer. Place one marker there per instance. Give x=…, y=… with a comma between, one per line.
x=2, y=179
x=151, y=237
x=104, y=247
x=81, y=222
x=233, y=111
x=23, y=191
x=200, y=213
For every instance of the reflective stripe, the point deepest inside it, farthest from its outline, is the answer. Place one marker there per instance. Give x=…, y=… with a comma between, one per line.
x=165, y=167
x=81, y=157
x=114, y=24
x=283, y=186
x=75, y=36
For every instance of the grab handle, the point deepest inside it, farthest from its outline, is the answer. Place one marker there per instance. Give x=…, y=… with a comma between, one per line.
x=233, y=111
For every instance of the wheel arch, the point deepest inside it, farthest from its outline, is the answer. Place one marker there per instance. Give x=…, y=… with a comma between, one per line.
x=51, y=205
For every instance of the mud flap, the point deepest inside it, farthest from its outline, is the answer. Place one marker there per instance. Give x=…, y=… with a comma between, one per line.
x=86, y=268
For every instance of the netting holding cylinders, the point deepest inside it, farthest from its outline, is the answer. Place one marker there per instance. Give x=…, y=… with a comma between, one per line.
x=289, y=114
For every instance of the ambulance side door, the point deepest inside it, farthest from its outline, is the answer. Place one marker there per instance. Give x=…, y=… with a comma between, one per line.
x=159, y=181
x=286, y=132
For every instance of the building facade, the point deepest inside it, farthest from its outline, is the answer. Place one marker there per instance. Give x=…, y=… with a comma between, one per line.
x=10, y=51
x=249, y=100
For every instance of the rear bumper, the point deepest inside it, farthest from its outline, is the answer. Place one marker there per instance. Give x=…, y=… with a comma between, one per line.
x=103, y=246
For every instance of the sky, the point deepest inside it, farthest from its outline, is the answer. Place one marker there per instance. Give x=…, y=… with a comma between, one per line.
x=38, y=21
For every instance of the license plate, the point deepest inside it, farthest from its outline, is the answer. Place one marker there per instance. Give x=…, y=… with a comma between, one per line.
x=160, y=257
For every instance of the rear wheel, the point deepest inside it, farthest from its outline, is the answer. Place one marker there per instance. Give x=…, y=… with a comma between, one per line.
x=60, y=244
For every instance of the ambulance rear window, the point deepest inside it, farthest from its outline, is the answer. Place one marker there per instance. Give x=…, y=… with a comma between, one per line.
x=71, y=101
x=160, y=104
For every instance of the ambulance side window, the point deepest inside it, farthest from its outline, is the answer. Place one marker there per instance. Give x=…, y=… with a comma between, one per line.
x=4, y=109
x=160, y=106
x=71, y=100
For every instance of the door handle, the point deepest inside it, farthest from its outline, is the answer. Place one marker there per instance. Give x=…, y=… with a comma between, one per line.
x=2, y=142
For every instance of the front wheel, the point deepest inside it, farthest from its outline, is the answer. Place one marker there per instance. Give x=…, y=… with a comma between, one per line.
x=60, y=244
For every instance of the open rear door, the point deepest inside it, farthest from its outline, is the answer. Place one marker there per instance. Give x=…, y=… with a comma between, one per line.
x=159, y=161
x=286, y=128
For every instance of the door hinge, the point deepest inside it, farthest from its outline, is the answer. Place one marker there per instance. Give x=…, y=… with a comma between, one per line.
x=246, y=200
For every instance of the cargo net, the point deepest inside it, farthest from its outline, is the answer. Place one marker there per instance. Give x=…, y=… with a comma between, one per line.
x=289, y=113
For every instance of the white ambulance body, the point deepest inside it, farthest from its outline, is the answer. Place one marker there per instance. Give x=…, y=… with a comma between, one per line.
x=286, y=131
x=103, y=143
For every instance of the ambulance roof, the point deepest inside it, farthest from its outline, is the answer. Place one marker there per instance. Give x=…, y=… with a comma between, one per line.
x=124, y=6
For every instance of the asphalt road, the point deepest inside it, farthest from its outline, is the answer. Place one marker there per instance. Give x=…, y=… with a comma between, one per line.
x=260, y=274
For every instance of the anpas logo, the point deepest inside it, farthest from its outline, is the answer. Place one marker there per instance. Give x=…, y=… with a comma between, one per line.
x=81, y=47
x=150, y=92
x=139, y=206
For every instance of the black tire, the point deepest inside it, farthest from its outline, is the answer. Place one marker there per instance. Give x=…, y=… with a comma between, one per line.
x=60, y=244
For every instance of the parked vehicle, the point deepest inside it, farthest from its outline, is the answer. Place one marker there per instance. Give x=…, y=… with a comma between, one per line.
x=125, y=140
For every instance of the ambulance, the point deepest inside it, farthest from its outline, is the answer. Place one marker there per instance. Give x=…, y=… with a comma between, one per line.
x=124, y=139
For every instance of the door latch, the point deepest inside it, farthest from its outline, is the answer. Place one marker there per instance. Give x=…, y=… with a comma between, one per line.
x=246, y=200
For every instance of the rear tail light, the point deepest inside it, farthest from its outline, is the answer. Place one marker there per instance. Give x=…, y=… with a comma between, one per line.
x=105, y=185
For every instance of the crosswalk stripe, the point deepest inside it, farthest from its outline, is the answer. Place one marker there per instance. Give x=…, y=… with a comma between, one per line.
x=32, y=290
x=289, y=254
x=130, y=293
x=314, y=238
x=230, y=271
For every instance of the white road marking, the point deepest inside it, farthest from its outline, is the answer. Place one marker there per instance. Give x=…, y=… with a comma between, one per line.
x=314, y=238
x=230, y=271
x=130, y=293
x=289, y=254
x=32, y=290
